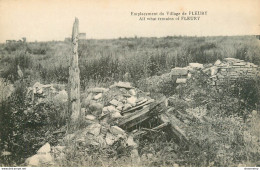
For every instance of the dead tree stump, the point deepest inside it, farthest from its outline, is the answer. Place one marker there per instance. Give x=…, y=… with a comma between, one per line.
x=74, y=80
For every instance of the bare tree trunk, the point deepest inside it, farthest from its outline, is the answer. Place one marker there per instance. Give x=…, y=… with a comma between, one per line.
x=74, y=80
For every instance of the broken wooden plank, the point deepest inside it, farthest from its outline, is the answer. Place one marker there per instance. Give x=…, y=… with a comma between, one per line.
x=155, y=129
x=175, y=123
x=139, y=116
x=133, y=120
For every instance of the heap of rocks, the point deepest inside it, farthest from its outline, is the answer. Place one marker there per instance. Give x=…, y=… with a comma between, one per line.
x=182, y=74
x=107, y=113
x=40, y=93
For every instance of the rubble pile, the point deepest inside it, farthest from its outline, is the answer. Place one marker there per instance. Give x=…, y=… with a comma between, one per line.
x=40, y=93
x=111, y=115
x=228, y=70
x=231, y=69
x=182, y=74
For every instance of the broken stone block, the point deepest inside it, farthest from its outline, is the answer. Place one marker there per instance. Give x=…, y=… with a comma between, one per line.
x=120, y=107
x=196, y=65
x=218, y=62
x=116, y=115
x=97, y=90
x=111, y=109
x=127, y=106
x=125, y=85
x=214, y=70
x=110, y=139
x=132, y=100
x=130, y=142
x=132, y=92
x=178, y=71
x=116, y=130
x=90, y=117
x=44, y=149
x=181, y=80
x=98, y=96
x=115, y=102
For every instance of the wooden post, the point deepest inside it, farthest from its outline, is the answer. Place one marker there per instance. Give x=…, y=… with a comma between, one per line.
x=74, y=80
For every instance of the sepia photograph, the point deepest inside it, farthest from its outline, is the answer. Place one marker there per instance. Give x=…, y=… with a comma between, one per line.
x=141, y=83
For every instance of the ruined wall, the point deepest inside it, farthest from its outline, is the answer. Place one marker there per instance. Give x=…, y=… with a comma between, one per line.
x=231, y=69
x=227, y=71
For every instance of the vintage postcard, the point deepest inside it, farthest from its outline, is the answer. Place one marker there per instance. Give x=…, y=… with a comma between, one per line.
x=133, y=83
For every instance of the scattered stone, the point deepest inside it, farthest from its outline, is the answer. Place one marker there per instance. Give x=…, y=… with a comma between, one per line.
x=130, y=142
x=181, y=80
x=97, y=90
x=6, y=153
x=115, y=102
x=132, y=92
x=196, y=65
x=127, y=106
x=218, y=62
x=116, y=130
x=90, y=117
x=111, y=109
x=125, y=85
x=98, y=96
x=110, y=139
x=132, y=100
x=116, y=115
x=214, y=70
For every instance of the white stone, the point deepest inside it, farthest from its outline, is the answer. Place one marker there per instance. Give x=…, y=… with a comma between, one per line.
x=116, y=115
x=111, y=108
x=116, y=130
x=132, y=100
x=33, y=161
x=44, y=149
x=98, y=96
x=214, y=70
x=90, y=117
x=97, y=90
x=196, y=65
x=132, y=92
x=110, y=139
x=218, y=62
x=114, y=102
x=181, y=80
x=127, y=106
x=126, y=85
x=130, y=142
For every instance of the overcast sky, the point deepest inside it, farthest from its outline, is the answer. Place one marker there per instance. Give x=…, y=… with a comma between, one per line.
x=46, y=20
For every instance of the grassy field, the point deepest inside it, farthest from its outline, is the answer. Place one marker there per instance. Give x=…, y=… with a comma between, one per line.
x=103, y=61
x=230, y=138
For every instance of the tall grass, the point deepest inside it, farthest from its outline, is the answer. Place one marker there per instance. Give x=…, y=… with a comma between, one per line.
x=109, y=60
